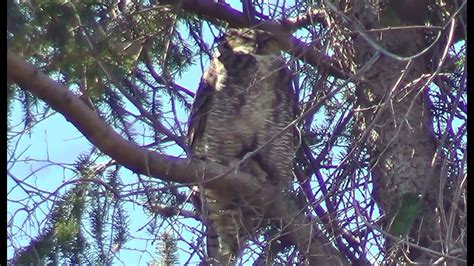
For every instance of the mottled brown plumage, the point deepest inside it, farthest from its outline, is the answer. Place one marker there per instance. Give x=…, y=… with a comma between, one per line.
x=243, y=100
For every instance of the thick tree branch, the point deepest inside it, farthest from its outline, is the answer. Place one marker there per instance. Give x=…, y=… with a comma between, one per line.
x=301, y=232
x=168, y=168
x=136, y=158
x=288, y=43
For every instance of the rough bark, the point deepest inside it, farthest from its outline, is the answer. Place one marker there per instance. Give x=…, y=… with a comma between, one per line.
x=392, y=109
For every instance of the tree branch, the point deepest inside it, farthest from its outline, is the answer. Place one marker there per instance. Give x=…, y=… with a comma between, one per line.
x=302, y=233
x=138, y=159
x=307, y=18
x=288, y=43
x=160, y=79
x=168, y=168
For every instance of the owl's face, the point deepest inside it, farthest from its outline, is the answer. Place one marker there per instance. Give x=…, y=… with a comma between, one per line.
x=251, y=41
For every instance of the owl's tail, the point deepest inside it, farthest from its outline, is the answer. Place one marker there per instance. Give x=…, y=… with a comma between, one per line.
x=216, y=254
x=225, y=230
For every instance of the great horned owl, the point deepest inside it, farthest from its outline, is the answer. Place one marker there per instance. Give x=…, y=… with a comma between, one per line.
x=244, y=98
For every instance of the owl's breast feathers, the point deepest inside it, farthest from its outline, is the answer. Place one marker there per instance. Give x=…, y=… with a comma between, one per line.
x=243, y=100
x=240, y=93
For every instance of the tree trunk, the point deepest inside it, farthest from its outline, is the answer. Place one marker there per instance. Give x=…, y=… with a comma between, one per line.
x=391, y=106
